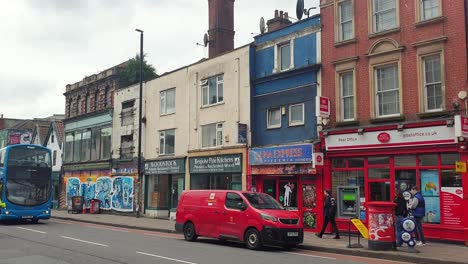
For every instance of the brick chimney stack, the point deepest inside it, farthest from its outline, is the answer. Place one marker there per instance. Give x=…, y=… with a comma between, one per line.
x=221, y=26
x=279, y=21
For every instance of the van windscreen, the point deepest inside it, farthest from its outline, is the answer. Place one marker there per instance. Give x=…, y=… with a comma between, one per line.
x=262, y=201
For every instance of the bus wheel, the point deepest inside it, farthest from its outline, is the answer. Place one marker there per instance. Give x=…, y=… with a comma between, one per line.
x=252, y=239
x=189, y=232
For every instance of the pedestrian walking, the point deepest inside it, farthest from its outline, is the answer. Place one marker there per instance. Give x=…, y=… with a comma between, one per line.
x=418, y=207
x=329, y=213
x=401, y=211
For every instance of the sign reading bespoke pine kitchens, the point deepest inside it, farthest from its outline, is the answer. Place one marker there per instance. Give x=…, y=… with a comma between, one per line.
x=215, y=164
x=172, y=166
x=422, y=136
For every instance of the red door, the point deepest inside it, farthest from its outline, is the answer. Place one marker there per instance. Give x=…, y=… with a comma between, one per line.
x=310, y=209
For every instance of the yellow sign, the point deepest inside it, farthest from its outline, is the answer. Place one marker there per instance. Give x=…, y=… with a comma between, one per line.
x=361, y=227
x=460, y=166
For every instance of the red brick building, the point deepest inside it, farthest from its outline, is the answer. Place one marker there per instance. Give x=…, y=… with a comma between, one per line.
x=393, y=71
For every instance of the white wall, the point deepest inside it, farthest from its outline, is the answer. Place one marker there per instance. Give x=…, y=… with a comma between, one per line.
x=54, y=146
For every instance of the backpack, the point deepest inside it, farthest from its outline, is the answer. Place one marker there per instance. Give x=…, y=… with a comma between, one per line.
x=332, y=205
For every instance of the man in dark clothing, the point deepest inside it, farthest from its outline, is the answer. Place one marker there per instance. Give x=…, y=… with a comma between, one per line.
x=418, y=205
x=401, y=211
x=329, y=213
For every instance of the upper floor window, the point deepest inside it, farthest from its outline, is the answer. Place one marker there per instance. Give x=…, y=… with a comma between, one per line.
x=127, y=115
x=347, y=95
x=167, y=98
x=384, y=14
x=285, y=56
x=166, y=142
x=296, y=114
x=212, y=135
x=96, y=100
x=387, y=90
x=54, y=158
x=433, y=96
x=429, y=9
x=274, y=117
x=52, y=139
x=88, y=103
x=106, y=97
x=212, y=90
x=345, y=14
x=126, y=147
x=78, y=105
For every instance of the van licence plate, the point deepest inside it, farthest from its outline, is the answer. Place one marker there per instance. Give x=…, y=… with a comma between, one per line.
x=27, y=216
x=295, y=234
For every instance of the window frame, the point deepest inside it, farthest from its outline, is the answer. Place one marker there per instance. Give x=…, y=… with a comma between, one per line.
x=342, y=97
x=419, y=7
x=290, y=115
x=163, y=102
x=163, y=148
x=339, y=23
x=219, y=128
x=205, y=85
x=376, y=88
x=269, y=126
x=372, y=17
x=280, y=56
x=425, y=84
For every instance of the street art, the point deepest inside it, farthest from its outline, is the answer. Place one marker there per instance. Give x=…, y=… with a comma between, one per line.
x=115, y=193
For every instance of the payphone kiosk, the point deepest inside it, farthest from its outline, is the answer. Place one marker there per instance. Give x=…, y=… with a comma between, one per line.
x=348, y=201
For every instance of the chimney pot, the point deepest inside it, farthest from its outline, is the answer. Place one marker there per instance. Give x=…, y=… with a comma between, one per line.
x=276, y=13
x=285, y=15
x=281, y=14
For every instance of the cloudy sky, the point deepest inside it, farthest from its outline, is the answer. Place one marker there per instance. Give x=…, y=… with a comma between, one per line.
x=46, y=44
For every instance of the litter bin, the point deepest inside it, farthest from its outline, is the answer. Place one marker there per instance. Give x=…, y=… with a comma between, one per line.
x=381, y=225
x=75, y=204
x=95, y=206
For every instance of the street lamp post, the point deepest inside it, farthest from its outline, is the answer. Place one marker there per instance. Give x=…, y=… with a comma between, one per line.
x=139, y=126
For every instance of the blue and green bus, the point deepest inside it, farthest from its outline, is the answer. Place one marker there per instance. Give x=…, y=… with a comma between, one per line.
x=25, y=183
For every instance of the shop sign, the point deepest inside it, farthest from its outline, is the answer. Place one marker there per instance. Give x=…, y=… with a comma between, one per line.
x=214, y=164
x=323, y=106
x=281, y=155
x=172, y=166
x=423, y=136
x=318, y=159
x=452, y=205
x=460, y=166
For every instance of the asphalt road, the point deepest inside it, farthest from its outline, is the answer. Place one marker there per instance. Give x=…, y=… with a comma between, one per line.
x=61, y=242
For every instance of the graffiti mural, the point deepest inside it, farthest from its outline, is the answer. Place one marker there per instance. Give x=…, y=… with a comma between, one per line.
x=115, y=193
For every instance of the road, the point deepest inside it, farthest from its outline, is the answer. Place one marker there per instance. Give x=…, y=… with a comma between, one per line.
x=61, y=242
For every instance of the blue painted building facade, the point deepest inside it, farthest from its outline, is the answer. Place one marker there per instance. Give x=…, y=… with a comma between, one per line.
x=285, y=70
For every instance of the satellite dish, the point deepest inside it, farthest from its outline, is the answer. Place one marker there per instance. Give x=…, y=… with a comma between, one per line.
x=205, y=39
x=262, y=25
x=299, y=9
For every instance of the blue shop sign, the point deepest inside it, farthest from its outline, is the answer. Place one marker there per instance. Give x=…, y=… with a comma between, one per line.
x=281, y=155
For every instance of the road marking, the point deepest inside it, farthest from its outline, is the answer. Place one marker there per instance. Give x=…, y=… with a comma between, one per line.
x=84, y=241
x=156, y=256
x=309, y=255
x=32, y=230
x=108, y=228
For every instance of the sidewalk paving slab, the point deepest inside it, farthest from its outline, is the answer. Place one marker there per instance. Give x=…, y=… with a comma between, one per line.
x=433, y=252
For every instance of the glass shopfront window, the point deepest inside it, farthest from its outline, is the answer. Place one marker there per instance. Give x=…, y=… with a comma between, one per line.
x=223, y=181
x=157, y=191
x=177, y=186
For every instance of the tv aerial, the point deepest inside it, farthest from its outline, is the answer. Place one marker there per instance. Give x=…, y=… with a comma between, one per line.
x=205, y=40
x=262, y=25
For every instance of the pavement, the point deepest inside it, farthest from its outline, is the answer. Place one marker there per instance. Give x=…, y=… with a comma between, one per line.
x=432, y=252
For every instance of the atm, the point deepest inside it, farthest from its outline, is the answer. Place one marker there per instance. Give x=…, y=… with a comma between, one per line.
x=348, y=201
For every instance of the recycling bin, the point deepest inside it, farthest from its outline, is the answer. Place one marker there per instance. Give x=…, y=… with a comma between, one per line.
x=381, y=225
x=95, y=206
x=75, y=204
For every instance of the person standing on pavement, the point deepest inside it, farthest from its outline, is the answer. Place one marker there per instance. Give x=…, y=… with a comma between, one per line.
x=401, y=211
x=418, y=207
x=329, y=213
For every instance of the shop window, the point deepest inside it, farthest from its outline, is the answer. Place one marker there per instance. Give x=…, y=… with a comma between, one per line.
x=405, y=161
x=210, y=181
x=157, y=195
x=431, y=192
x=348, y=178
x=355, y=162
x=106, y=142
x=69, y=147
x=379, y=173
x=429, y=160
x=378, y=160
x=379, y=191
x=449, y=158
x=86, y=146
x=95, y=143
x=76, y=147
x=451, y=178
x=269, y=187
x=339, y=163
x=405, y=179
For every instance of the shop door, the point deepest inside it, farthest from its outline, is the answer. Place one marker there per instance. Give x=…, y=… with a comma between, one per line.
x=310, y=207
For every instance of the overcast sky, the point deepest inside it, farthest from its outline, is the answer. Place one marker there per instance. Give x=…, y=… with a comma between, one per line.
x=47, y=44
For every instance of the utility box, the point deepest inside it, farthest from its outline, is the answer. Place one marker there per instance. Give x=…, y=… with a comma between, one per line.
x=75, y=204
x=348, y=201
x=95, y=206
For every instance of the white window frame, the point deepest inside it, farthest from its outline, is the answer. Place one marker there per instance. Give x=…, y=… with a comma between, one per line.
x=341, y=22
x=269, y=110
x=291, y=123
x=205, y=86
x=343, y=97
x=440, y=82
x=377, y=92
x=162, y=147
x=219, y=135
x=280, y=56
x=375, y=13
x=163, y=102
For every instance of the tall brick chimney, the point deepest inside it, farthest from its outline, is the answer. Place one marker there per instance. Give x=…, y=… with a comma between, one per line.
x=221, y=26
x=279, y=21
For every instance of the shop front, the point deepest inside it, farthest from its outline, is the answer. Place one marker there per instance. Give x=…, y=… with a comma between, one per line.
x=287, y=174
x=164, y=182
x=380, y=162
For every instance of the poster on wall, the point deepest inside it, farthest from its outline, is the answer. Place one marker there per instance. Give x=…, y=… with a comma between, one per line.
x=430, y=183
x=452, y=199
x=432, y=210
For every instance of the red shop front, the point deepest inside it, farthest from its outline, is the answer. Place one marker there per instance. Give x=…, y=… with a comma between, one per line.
x=381, y=160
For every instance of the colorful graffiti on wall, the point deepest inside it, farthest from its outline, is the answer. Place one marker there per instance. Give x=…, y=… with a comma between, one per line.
x=115, y=193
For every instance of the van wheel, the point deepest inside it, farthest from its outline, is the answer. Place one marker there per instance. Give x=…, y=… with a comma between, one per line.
x=189, y=232
x=252, y=239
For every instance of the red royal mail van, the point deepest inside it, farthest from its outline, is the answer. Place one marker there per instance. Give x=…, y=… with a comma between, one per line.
x=254, y=218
